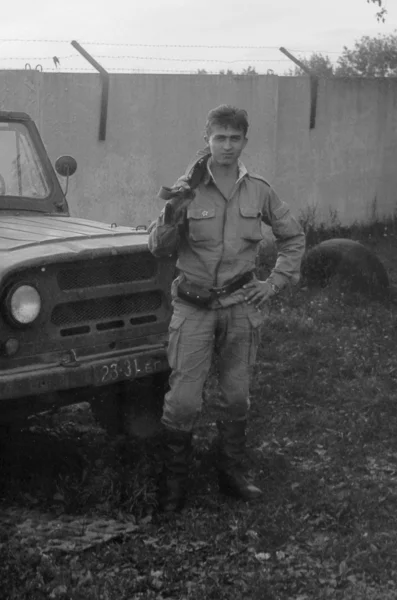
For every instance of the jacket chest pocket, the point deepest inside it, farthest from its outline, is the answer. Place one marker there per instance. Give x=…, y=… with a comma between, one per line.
x=250, y=221
x=202, y=224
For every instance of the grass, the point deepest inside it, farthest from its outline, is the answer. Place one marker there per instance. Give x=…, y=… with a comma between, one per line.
x=323, y=443
x=376, y=228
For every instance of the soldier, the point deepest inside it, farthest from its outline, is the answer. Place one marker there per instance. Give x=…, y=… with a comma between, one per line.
x=218, y=301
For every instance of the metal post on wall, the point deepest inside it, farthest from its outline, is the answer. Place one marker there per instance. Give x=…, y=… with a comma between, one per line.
x=105, y=88
x=313, y=85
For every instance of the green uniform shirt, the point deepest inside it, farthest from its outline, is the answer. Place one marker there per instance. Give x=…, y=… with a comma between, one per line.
x=218, y=239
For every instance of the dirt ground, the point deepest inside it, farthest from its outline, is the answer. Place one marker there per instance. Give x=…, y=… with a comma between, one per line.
x=78, y=516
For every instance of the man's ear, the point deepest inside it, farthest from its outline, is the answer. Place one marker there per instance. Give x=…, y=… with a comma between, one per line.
x=245, y=142
x=206, y=139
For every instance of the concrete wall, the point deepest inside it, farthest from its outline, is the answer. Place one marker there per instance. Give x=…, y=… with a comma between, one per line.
x=155, y=126
x=349, y=159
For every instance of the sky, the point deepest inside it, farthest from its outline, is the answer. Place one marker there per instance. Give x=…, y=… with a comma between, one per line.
x=183, y=35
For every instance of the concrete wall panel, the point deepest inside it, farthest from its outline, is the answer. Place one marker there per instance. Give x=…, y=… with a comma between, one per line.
x=156, y=125
x=345, y=163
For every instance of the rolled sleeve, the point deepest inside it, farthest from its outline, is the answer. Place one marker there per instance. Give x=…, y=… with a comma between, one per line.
x=290, y=240
x=163, y=238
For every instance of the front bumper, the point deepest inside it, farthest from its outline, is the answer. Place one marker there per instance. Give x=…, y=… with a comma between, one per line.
x=91, y=371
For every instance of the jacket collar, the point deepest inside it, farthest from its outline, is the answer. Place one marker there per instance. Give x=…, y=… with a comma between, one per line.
x=242, y=172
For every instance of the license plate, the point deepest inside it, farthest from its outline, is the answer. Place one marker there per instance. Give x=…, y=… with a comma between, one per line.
x=128, y=368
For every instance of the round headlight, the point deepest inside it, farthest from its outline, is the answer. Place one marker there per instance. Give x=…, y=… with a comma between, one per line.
x=24, y=304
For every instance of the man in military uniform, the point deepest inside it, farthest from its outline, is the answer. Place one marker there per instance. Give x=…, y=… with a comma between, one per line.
x=217, y=300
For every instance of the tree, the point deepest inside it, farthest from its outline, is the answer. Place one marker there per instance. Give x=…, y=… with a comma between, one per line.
x=381, y=14
x=249, y=71
x=318, y=64
x=370, y=57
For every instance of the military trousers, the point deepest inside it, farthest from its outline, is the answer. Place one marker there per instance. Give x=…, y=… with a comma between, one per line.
x=194, y=335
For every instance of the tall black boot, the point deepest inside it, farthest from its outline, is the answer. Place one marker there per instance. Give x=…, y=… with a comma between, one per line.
x=177, y=447
x=234, y=477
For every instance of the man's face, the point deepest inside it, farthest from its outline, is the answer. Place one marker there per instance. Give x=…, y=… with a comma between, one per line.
x=226, y=144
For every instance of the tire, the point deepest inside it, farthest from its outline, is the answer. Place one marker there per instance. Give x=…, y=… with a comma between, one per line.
x=132, y=408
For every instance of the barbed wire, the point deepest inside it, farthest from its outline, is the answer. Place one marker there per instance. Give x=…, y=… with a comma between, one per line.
x=133, y=70
x=37, y=57
x=39, y=41
x=204, y=47
x=199, y=60
x=120, y=44
x=212, y=47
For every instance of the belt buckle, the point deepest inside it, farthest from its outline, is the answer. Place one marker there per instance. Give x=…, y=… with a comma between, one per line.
x=218, y=291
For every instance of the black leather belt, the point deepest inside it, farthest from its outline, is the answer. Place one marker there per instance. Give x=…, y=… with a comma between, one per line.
x=233, y=286
x=193, y=293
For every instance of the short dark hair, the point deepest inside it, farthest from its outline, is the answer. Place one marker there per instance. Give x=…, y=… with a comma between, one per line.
x=226, y=115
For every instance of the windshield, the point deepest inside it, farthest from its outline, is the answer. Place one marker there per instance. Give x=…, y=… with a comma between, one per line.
x=21, y=172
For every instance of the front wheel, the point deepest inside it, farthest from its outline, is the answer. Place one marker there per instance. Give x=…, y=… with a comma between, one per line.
x=132, y=408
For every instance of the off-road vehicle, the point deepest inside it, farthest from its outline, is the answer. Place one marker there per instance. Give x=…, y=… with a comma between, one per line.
x=84, y=306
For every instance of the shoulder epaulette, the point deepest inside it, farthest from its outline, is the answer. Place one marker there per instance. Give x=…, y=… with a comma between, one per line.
x=256, y=176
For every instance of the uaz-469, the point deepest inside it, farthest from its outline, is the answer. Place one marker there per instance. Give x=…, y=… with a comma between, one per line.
x=83, y=304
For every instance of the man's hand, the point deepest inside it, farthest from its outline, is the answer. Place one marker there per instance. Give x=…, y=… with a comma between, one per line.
x=177, y=205
x=258, y=293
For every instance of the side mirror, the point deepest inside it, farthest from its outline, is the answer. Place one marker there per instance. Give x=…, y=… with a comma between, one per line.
x=65, y=166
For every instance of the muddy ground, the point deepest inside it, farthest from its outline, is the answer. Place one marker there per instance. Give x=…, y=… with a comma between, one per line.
x=78, y=515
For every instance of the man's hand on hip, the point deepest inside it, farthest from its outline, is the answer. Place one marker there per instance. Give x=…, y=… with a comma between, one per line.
x=258, y=292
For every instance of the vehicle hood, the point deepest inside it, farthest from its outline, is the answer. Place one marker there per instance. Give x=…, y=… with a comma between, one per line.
x=29, y=239
x=30, y=231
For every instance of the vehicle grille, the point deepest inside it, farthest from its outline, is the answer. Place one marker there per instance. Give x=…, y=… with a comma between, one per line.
x=113, y=301
x=109, y=271
x=107, y=293
x=100, y=309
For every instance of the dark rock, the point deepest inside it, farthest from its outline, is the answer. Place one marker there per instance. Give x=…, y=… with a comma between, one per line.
x=348, y=262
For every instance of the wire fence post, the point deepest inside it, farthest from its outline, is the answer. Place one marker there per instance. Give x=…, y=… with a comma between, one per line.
x=105, y=88
x=313, y=85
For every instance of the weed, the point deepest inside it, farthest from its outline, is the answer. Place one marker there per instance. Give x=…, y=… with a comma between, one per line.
x=323, y=443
